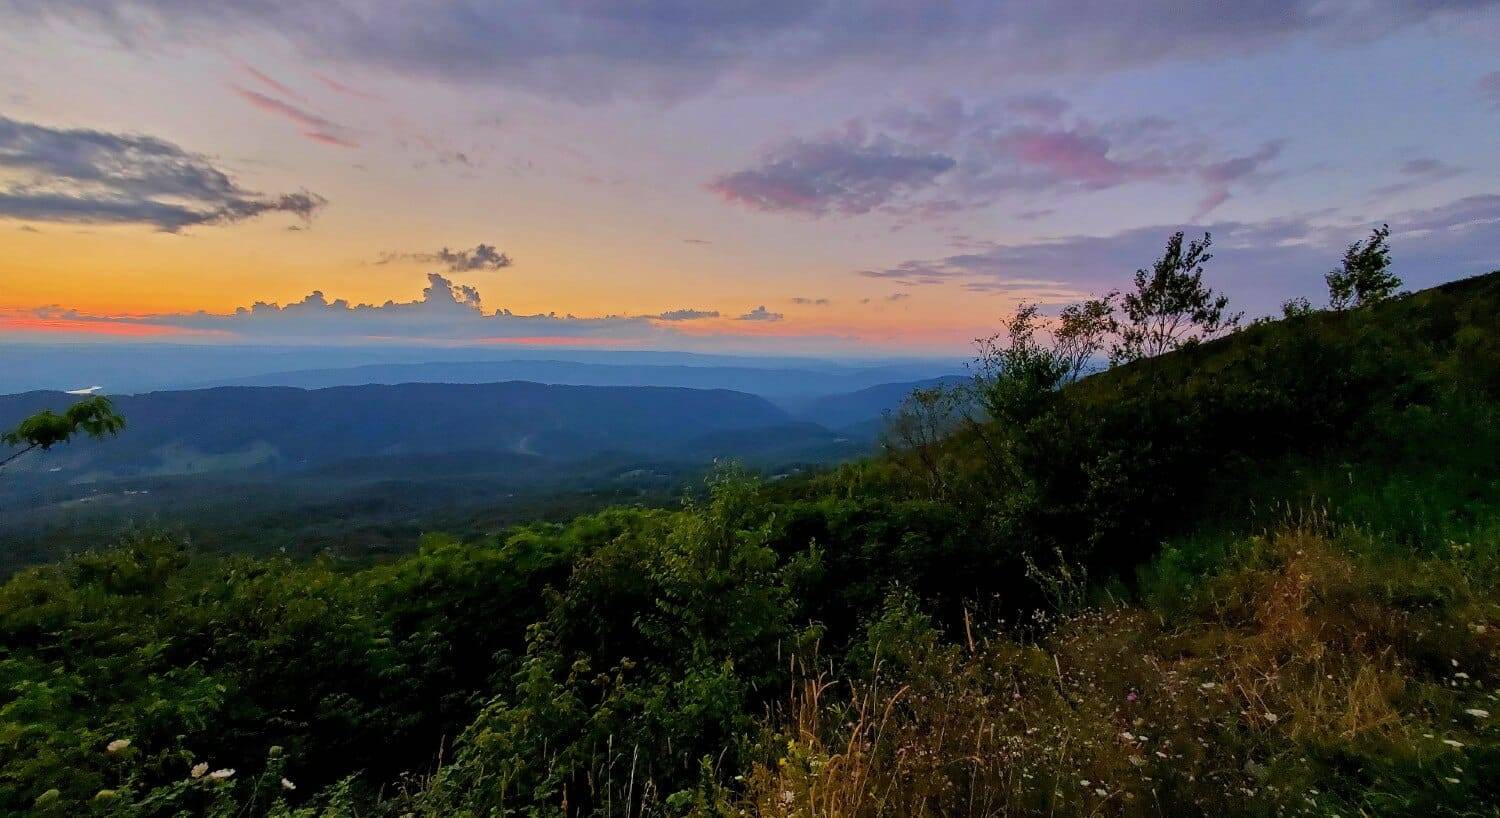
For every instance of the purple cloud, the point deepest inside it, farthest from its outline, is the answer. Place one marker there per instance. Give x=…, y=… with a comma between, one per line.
x=96, y=177
x=847, y=173
x=946, y=155
x=1489, y=88
x=1260, y=263
x=596, y=50
x=481, y=257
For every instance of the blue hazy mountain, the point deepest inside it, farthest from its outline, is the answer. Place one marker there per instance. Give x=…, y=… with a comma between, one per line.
x=280, y=428
x=134, y=368
x=864, y=409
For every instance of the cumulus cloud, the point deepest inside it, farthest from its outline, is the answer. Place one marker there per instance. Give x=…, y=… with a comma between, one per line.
x=949, y=155
x=1260, y=262
x=687, y=315
x=96, y=177
x=445, y=312
x=480, y=257
x=598, y=50
x=761, y=314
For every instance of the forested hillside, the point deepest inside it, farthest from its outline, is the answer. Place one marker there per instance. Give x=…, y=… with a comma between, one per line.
x=1258, y=574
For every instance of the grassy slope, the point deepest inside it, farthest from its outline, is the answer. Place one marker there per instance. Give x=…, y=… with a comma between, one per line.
x=1317, y=633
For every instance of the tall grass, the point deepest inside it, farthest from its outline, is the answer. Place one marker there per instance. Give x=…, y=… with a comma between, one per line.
x=1315, y=675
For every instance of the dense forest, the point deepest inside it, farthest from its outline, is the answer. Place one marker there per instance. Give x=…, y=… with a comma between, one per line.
x=1242, y=569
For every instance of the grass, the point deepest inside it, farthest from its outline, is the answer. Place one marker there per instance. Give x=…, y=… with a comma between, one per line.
x=1316, y=672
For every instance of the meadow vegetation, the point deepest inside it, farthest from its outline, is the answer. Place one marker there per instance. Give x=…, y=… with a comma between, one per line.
x=1249, y=570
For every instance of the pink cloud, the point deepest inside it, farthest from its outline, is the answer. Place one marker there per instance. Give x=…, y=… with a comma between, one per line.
x=314, y=127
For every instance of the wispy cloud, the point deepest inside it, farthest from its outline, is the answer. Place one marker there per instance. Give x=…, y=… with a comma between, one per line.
x=480, y=257
x=1489, y=88
x=345, y=89
x=849, y=173
x=949, y=155
x=271, y=82
x=595, y=51
x=97, y=177
x=1262, y=262
x=314, y=127
x=813, y=302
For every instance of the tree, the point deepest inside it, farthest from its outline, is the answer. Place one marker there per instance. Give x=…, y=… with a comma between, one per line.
x=920, y=427
x=1171, y=307
x=1017, y=376
x=1365, y=276
x=94, y=417
x=1082, y=332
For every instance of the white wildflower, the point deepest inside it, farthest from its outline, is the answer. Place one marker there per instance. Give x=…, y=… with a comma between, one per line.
x=1477, y=713
x=287, y=785
x=117, y=746
x=222, y=775
x=1451, y=743
x=199, y=769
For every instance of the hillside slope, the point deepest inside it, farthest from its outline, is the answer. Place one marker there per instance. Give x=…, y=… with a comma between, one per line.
x=1260, y=577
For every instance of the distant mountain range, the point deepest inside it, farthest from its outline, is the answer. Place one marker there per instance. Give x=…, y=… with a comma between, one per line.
x=136, y=368
x=277, y=429
x=792, y=388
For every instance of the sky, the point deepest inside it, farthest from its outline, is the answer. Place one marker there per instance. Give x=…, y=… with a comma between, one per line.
x=788, y=176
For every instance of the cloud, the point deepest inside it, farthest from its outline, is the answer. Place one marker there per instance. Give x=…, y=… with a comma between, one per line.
x=1489, y=88
x=814, y=302
x=948, y=155
x=96, y=177
x=1218, y=176
x=1417, y=173
x=846, y=173
x=314, y=127
x=897, y=297
x=668, y=48
x=1260, y=263
x=446, y=312
x=271, y=82
x=481, y=257
x=346, y=90
x=761, y=314
x=687, y=315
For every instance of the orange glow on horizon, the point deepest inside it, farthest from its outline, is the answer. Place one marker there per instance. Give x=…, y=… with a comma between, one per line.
x=117, y=329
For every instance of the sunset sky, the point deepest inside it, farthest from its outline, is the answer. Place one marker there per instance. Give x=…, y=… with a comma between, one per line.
x=751, y=175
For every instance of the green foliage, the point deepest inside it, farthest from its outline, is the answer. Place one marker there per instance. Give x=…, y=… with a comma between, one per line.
x=94, y=417
x=1034, y=551
x=1170, y=306
x=1365, y=276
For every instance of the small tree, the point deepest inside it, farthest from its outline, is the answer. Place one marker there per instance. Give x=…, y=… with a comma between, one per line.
x=1082, y=332
x=95, y=417
x=919, y=429
x=1017, y=376
x=1170, y=307
x=1365, y=276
